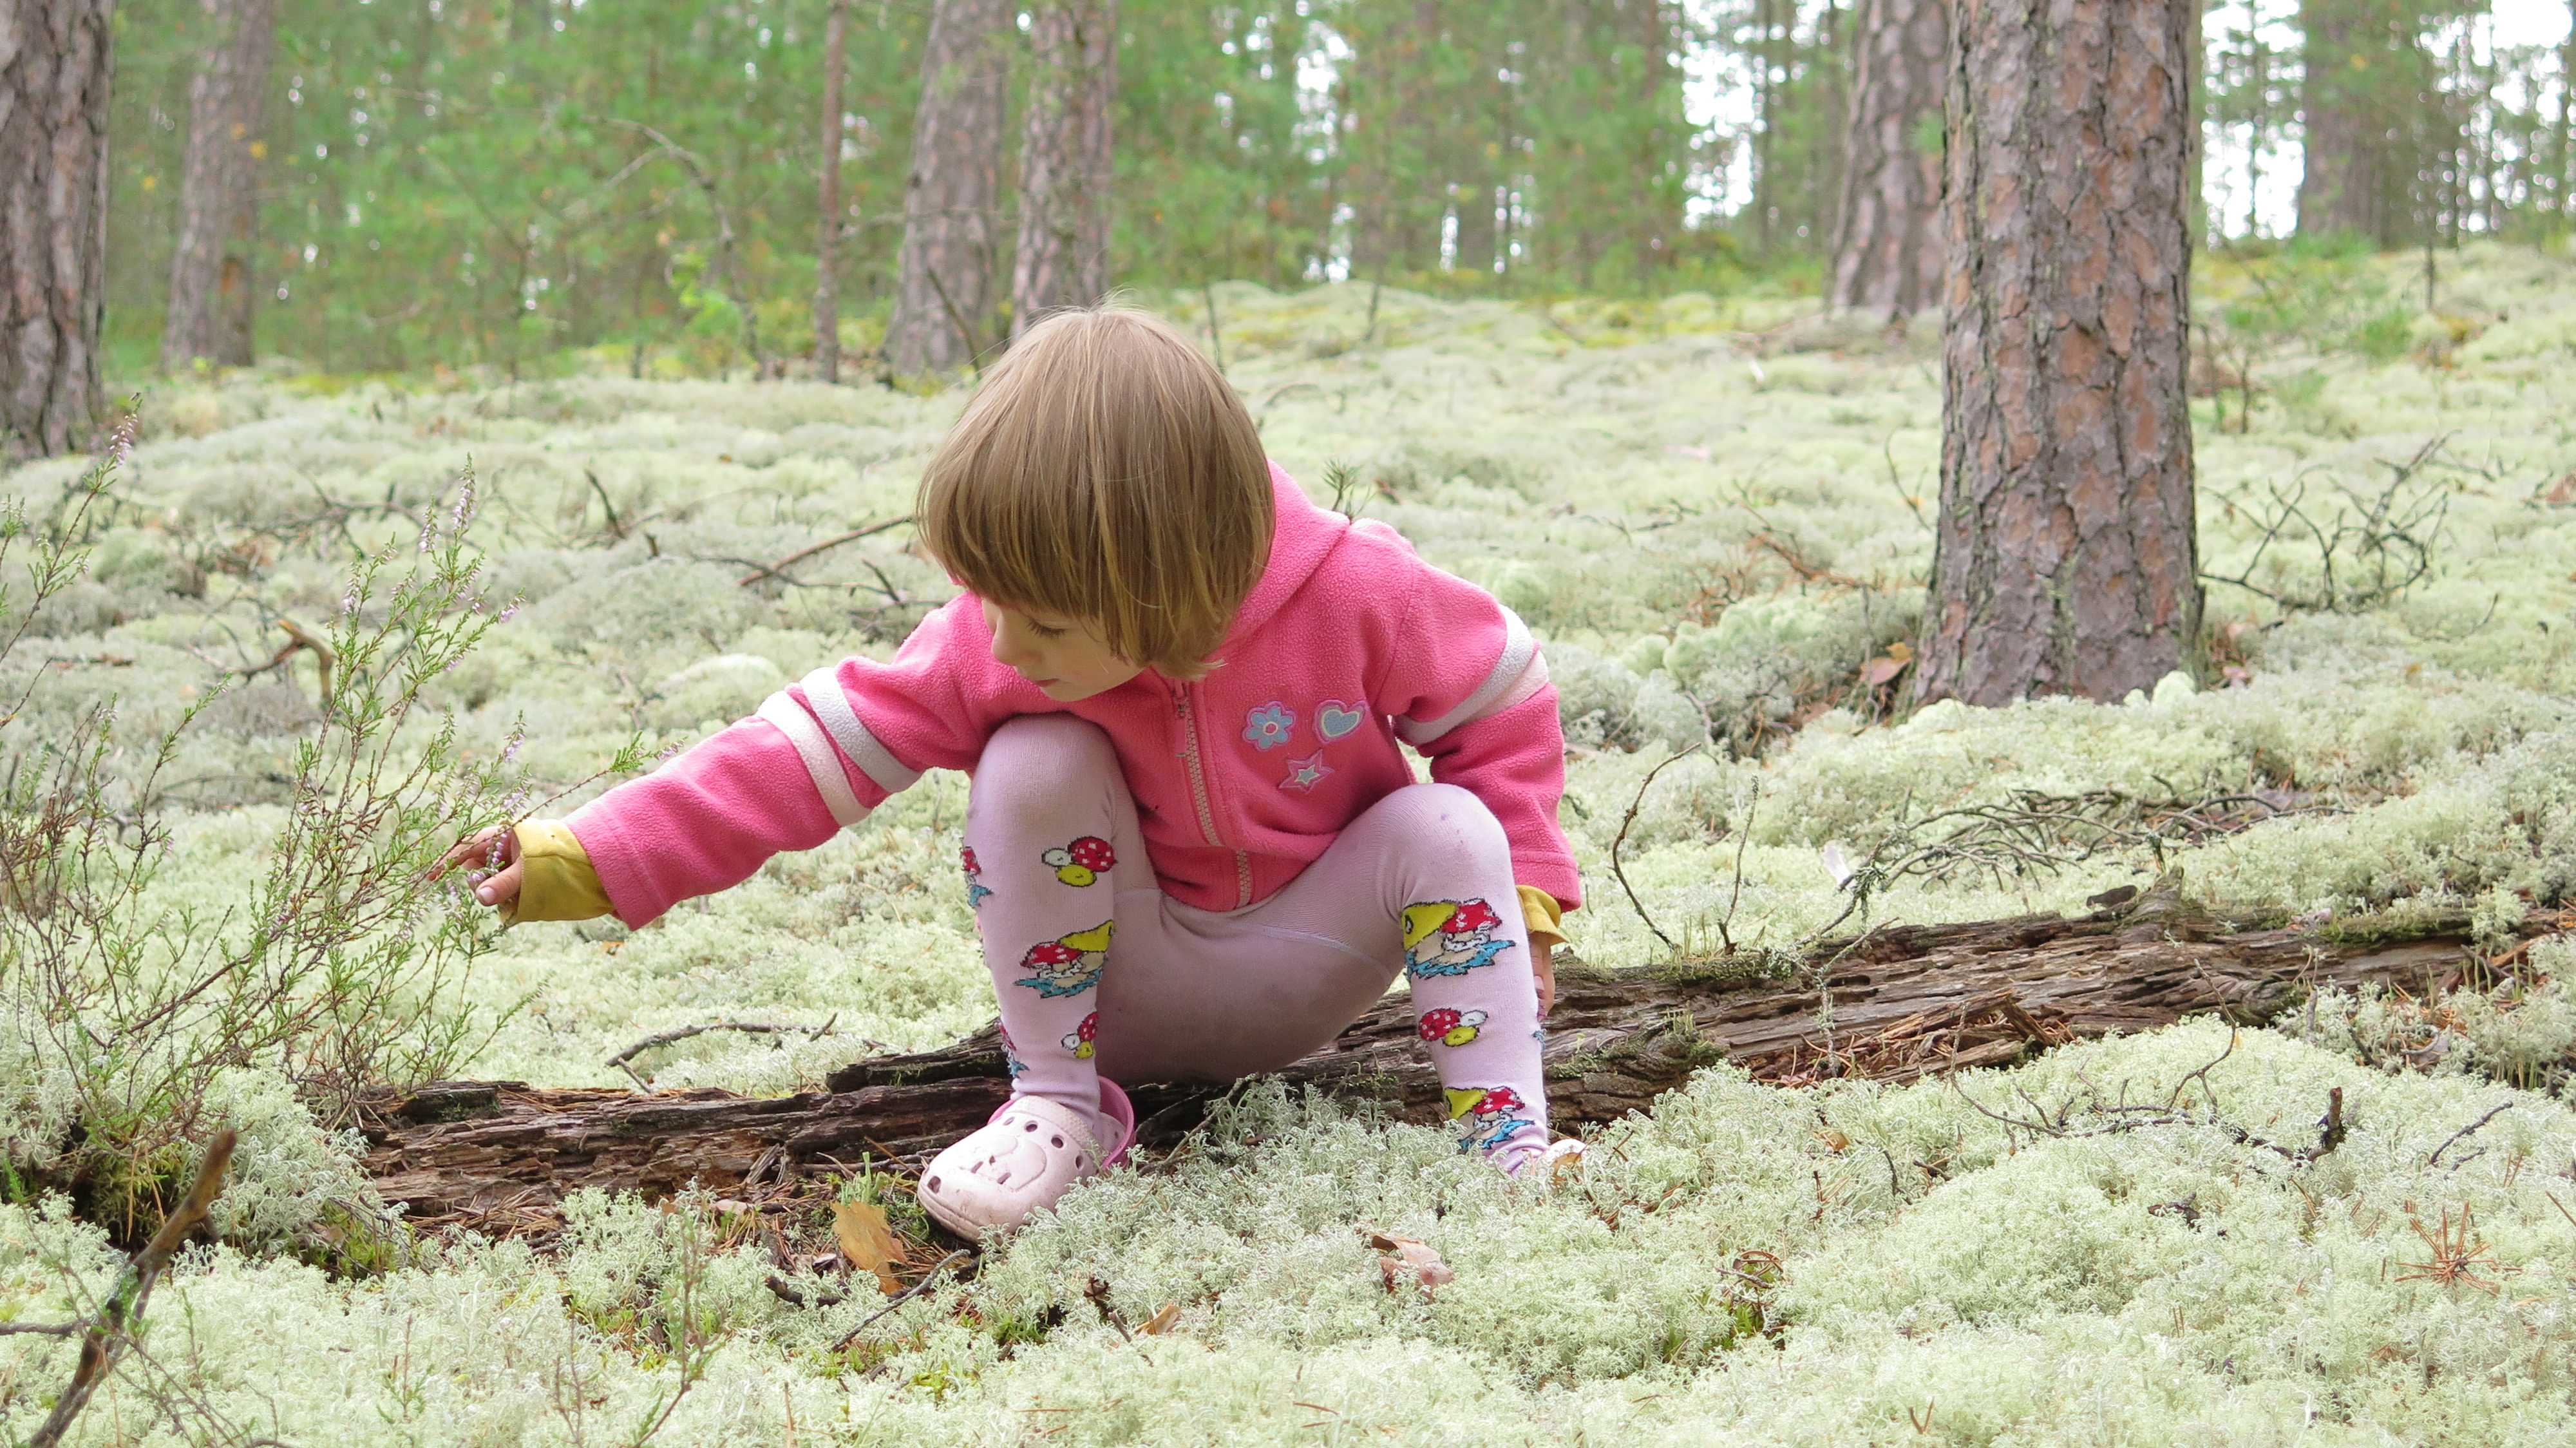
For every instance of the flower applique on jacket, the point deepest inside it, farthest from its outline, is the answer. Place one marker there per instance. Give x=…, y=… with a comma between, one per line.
x=1268, y=727
x=1450, y=937
x=1068, y=965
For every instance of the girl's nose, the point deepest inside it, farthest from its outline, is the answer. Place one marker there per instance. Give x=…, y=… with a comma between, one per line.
x=1010, y=652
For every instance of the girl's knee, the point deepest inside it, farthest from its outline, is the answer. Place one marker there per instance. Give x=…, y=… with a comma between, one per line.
x=1443, y=828
x=1038, y=765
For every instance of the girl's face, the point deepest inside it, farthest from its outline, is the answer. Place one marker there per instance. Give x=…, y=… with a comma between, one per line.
x=1058, y=655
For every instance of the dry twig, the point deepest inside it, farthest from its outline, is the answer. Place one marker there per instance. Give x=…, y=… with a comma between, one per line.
x=109, y=1332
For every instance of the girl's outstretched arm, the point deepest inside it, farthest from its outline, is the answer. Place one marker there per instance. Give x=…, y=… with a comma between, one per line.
x=817, y=758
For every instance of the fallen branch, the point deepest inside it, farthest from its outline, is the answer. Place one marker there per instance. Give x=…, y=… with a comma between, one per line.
x=109, y=1332
x=2457, y=1136
x=1907, y=1001
x=298, y=639
x=685, y=1032
x=778, y=569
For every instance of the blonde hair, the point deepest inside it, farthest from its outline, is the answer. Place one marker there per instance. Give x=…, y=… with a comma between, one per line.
x=1106, y=473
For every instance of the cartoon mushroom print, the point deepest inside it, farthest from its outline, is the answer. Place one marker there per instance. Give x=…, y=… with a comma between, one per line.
x=975, y=887
x=1068, y=966
x=1450, y=937
x=1079, y=1042
x=1445, y=1027
x=1080, y=863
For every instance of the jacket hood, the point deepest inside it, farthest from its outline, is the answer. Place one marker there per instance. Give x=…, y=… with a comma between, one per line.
x=1300, y=538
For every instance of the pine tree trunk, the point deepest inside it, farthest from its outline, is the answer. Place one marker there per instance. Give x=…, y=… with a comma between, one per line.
x=1657, y=24
x=945, y=274
x=1065, y=158
x=2065, y=558
x=2359, y=167
x=1887, y=233
x=54, y=76
x=212, y=287
x=827, y=230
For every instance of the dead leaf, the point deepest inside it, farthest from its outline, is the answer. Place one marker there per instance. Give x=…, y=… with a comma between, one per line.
x=1403, y=1252
x=1901, y=651
x=1882, y=671
x=1161, y=1322
x=866, y=1242
x=1832, y=1140
x=2563, y=491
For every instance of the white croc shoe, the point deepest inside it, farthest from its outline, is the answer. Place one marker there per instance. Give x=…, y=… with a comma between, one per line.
x=1021, y=1162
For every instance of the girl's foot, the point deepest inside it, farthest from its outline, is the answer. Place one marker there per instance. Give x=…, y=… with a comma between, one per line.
x=1561, y=1156
x=1022, y=1161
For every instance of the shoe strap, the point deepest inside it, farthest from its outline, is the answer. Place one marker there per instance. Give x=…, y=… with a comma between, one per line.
x=1061, y=1117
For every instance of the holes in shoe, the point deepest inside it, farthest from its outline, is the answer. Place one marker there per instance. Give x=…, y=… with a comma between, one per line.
x=1077, y=1161
x=1029, y=1126
x=933, y=1184
x=1055, y=1140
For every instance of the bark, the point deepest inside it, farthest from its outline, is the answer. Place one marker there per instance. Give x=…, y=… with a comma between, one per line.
x=1907, y=1001
x=944, y=280
x=827, y=232
x=1657, y=30
x=2365, y=107
x=2065, y=559
x=1887, y=232
x=212, y=286
x=55, y=71
x=1065, y=158
x=1475, y=165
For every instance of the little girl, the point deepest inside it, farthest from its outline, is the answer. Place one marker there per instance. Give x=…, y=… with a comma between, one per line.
x=1192, y=846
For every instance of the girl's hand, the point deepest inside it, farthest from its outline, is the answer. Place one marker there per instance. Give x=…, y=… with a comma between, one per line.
x=1544, y=959
x=502, y=886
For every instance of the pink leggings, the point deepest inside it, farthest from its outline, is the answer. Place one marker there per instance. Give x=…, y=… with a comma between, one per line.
x=1420, y=883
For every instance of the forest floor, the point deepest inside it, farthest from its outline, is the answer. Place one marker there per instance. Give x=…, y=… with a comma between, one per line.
x=1712, y=513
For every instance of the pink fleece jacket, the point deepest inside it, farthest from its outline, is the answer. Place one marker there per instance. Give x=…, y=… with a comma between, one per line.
x=1348, y=643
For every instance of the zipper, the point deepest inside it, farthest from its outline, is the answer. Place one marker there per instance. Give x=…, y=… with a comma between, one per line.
x=1194, y=760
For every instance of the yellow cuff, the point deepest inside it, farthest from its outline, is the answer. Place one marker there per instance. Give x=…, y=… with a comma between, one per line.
x=556, y=881
x=1545, y=918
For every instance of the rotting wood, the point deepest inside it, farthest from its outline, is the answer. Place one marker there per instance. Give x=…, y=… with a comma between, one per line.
x=1906, y=1001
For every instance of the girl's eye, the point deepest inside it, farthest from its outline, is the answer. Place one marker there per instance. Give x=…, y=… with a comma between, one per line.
x=1045, y=632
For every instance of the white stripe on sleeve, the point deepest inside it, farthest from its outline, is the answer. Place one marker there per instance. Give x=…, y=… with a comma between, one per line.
x=821, y=763
x=823, y=691
x=1519, y=673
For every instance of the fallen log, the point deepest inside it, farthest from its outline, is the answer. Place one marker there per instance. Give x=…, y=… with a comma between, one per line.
x=1906, y=1000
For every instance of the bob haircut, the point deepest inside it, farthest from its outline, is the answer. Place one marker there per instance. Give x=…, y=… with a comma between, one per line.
x=1106, y=473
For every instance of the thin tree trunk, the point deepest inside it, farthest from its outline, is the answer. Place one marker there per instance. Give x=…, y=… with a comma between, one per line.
x=55, y=71
x=1764, y=125
x=1661, y=217
x=1907, y=1001
x=212, y=285
x=944, y=277
x=1471, y=165
x=2065, y=559
x=1065, y=159
x=1887, y=233
x=827, y=232
x=2567, y=121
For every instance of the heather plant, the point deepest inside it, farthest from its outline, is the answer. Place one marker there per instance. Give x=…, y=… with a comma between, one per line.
x=136, y=1025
